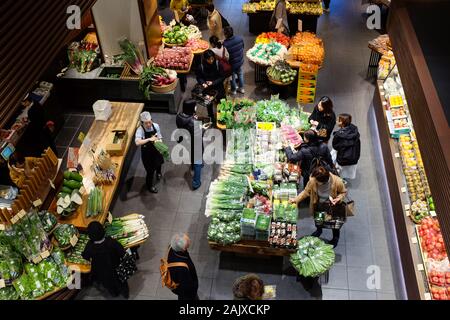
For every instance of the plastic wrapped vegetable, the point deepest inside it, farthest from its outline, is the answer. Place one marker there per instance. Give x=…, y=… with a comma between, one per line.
x=9, y=293
x=64, y=233
x=313, y=257
x=48, y=220
x=163, y=149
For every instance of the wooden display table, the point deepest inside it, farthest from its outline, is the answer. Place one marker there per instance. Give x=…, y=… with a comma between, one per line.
x=124, y=115
x=252, y=247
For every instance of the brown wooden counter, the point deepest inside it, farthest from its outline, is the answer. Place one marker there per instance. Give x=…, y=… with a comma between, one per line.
x=252, y=247
x=124, y=115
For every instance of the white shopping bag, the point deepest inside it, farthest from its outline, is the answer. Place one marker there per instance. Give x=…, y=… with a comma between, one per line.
x=102, y=110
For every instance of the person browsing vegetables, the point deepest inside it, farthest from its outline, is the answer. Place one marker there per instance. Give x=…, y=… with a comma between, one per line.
x=105, y=253
x=146, y=136
x=323, y=118
x=325, y=190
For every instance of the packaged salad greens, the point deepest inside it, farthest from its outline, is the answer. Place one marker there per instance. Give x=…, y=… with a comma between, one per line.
x=8, y=293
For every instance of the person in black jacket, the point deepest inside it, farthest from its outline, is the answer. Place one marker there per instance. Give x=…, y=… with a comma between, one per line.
x=187, y=120
x=185, y=277
x=347, y=147
x=311, y=148
x=323, y=118
x=211, y=76
x=105, y=253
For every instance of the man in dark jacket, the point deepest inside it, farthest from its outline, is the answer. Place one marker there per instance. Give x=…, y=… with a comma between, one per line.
x=235, y=48
x=348, y=145
x=188, y=121
x=310, y=149
x=185, y=277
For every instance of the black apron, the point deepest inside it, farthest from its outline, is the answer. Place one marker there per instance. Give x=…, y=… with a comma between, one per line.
x=151, y=157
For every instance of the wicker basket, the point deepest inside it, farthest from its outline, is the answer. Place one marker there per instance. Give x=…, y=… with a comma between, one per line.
x=171, y=45
x=279, y=83
x=164, y=89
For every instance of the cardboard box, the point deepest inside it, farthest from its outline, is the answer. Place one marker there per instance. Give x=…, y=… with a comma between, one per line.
x=117, y=141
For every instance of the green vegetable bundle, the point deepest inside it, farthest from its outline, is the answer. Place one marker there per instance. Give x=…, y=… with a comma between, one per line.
x=273, y=110
x=75, y=255
x=48, y=220
x=64, y=233
x=10, y=261
x=163, y=149
x=313, y=257
x=95, y=202
x=8, y=293
x=128, y=230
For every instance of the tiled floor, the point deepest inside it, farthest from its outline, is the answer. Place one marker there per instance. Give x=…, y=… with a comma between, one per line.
x=365, y=238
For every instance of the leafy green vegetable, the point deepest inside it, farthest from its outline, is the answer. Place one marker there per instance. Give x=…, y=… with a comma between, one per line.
x=9, y=293
x=163, y=149
x=313, y=257
x=63, y=233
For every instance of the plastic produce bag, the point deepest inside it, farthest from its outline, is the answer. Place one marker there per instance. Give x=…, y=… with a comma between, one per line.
x=102, y=110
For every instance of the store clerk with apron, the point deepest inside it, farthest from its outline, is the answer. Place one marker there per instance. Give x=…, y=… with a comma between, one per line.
x=146, y=135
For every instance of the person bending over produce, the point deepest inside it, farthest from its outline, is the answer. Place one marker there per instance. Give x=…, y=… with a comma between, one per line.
x=248, y=287
x=323, y=118
x=146, y=137
x=105, y=253
x=211, y=76
x=311, y=148
x=327, y=193
x=185, y=277
x=180, y=8
x=20, y=167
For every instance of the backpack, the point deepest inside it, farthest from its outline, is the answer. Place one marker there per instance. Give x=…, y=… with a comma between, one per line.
x=318, y=161
x=166, y=279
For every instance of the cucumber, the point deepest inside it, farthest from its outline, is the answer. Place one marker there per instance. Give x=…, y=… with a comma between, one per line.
x=67, y=175
x=72, y=184
x=66, y=190
x=76, y=176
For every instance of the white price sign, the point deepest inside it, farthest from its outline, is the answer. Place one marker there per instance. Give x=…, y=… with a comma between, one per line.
x=45, y=254
x=2, y=283
x=420, y=267
x=2, y=227
x=403, y=190
x=110, y=217
x=414, y=240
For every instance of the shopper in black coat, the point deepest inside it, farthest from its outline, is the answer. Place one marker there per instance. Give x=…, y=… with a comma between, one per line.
x=323, y=118
x=105, y=253
x=185, y=277
x=307, y=151
x=187, y=120
x=347, y=146
x=211, y=77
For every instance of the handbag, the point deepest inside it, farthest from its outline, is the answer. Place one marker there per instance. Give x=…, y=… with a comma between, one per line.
x=127, y=266
x=226, y=66
x=349, y=207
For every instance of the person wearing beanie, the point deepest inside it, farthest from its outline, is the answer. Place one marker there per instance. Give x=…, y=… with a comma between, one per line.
x=187, y=120
x=105, y=253
x=146, y=136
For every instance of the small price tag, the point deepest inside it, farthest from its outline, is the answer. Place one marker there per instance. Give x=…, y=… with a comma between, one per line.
x=73, y=240
x=82, y=190
x=403, y=190
x=407, y=207
x=37, y=203
x=15, y=219
x=2, y=227
x=52, y=184
x=420, y=267
x=2, y=283
x=81, y=137
x=22, y=213
x=300, y=25
x=427, y=296
x=397, y=155
x=433, y=213
x=407, y=213
x=110, y=218
x=45, y=254
x=37, y=259
x=414, y=239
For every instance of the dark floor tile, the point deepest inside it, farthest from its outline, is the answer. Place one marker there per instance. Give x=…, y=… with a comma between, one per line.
x=74, y=121
x=65, y=136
